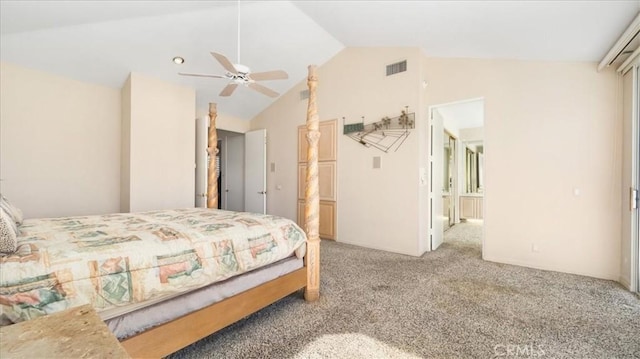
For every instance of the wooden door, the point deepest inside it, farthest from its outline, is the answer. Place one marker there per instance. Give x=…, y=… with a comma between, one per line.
x=327, y=176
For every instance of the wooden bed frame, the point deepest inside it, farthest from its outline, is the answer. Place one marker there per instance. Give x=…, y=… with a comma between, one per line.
x=167, y=338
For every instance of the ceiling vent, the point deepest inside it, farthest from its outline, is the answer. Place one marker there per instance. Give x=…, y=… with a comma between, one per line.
x=304, y=94
x=397, y=68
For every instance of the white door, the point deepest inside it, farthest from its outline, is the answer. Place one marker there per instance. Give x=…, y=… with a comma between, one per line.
x=636, y=215
x=222, y=170
x=436, y=164
x=255, y=171
x=630, y=271
x=202, y=128
x=234, y=184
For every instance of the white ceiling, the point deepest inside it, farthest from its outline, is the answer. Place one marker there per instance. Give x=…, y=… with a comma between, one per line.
x=102, y=41
x=530, y=30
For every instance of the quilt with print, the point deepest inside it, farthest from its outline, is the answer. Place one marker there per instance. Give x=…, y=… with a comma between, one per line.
x=122, y=259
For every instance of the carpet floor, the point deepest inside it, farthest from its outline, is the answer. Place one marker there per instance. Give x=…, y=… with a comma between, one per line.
x=446, y=304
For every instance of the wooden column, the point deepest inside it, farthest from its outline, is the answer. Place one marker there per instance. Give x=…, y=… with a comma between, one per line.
x=212, y=149
x=312, y=197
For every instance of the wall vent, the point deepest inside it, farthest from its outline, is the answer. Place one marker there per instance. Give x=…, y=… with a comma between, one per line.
x=397, y=68
x=304, y=94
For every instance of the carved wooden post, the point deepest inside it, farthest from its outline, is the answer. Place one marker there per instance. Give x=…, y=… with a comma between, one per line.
x=312, y=197
x=212, y=149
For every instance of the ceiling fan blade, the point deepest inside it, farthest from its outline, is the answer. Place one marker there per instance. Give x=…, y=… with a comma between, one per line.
x=202, y=75
x=264, y=90
x=228, y=90
x=269, y=75
x=225, y=62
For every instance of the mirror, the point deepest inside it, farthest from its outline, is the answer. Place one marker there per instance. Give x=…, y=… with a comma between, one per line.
x=448, y=162
x=474, y=166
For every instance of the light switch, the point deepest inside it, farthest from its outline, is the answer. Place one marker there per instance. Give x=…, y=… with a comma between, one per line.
x=273, y=166
x=376, y=162
x=423, y=176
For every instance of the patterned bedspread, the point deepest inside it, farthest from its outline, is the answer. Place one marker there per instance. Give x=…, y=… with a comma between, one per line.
x=122, y=259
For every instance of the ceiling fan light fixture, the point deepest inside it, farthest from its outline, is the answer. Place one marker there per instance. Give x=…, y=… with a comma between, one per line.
x=178, y=60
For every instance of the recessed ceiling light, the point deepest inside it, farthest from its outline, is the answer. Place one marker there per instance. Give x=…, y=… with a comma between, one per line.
x=178, y=60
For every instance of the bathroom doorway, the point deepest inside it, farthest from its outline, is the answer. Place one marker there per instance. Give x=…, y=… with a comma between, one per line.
x=457, y=156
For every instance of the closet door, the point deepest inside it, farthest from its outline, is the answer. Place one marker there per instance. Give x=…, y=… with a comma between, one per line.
x=326, y=180
x=327, y=147
x=327, y=177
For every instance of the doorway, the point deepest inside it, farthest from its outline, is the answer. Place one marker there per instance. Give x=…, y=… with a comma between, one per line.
x=457, y=186
x=229, y=165
x=231, y=175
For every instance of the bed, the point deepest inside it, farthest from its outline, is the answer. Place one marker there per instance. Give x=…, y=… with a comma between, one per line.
x=141, y=270
x=164, y=279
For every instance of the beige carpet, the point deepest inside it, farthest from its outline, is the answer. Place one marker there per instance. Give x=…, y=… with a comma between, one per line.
x=352, y=346
x=468, y=232
x=446, y=304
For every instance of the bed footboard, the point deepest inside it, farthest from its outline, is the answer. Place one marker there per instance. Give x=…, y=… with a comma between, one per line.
x=170, y=337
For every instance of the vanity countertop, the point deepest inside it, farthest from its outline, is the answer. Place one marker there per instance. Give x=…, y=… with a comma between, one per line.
x=471, y=194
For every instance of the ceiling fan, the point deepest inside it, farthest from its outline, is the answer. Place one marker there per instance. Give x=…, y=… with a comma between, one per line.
x=241, y=75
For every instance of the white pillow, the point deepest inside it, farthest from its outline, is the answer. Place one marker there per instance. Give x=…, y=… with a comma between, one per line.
x=8, y=233
x=14, y=212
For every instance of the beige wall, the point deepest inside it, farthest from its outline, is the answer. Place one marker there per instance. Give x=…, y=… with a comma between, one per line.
x=534, y=111
x=377, y=208
x=161, y=119
x=549, y=128
x=59, y=144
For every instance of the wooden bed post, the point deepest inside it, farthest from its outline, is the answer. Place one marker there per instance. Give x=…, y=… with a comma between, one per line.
x=212, y=149
x=312, y=197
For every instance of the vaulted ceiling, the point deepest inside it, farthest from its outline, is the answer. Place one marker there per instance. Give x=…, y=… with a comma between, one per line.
x=102, y=41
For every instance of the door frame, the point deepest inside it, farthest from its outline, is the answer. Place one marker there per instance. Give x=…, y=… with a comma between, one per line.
x=434, y=199
x=430, y=135
x=635, y=241
x=635, y=158
x=202, y=161
x=631, y=234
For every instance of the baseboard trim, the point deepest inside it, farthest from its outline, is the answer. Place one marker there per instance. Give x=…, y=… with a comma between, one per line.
x=380, y=248
x=625, y=282
x=547, y=268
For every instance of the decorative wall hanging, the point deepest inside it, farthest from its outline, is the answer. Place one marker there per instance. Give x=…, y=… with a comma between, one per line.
x=386, y=134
